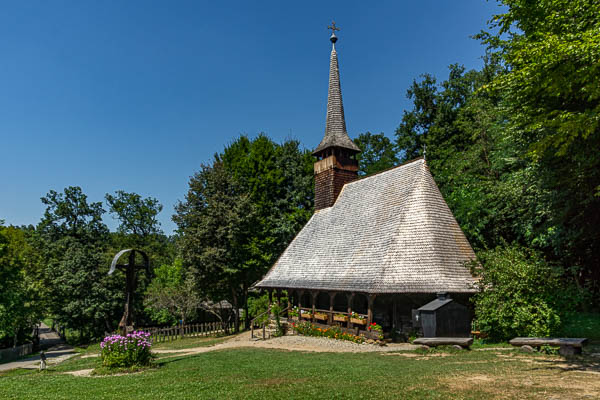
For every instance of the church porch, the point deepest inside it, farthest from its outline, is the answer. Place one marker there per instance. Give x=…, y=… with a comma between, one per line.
x=354, y=312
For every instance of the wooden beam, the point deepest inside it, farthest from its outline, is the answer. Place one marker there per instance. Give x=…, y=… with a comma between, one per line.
x=331, y=299
x=371, y=299
x=394, y=313
x=350, y=298
x=537, y=342
x=444, y=341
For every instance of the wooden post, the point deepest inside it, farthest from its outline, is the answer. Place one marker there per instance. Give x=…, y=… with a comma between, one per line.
x=314, y=302
x=395, y=313
x=350, y=298
x=278, y=295
x=300, y=295
x=331, y=300
x=370, y=313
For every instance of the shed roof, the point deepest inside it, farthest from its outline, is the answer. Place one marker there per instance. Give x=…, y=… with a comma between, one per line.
x=391, y=232
x=435, y=304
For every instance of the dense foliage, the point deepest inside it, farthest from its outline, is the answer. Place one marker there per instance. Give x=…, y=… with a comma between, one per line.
x=20, y=290
x=73, y=241
x=521, y=294
x=240, y=213
x=172, y=295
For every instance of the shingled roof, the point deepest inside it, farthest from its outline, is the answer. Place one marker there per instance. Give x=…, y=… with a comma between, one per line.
x=335, y=125
x=391, y=232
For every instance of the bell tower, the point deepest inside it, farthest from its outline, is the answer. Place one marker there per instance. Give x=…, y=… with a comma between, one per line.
x=336, y=163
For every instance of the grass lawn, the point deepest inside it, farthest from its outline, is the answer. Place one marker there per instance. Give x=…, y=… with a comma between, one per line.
x=190, y=343
x=245, y=373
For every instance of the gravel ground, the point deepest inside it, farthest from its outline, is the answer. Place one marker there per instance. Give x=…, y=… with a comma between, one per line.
x=315, y=344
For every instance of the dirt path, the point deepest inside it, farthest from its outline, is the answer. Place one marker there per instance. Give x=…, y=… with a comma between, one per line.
x=57, y=351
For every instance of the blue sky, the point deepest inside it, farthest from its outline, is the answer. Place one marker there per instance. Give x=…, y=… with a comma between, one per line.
x=135, y=95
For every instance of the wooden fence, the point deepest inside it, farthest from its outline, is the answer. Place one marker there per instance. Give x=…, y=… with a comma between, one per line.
x=158, y=335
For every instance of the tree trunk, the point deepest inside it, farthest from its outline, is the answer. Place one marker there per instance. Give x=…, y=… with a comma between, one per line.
x=247, y=317
x=236, y=310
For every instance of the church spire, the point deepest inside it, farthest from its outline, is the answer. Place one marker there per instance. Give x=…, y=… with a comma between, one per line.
x=335, y=125
x=336, y=162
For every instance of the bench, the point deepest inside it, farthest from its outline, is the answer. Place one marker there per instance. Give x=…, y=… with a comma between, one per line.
x=463, y=343
x=567, y=346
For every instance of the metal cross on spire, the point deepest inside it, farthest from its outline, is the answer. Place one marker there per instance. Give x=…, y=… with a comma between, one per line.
x=333, y=27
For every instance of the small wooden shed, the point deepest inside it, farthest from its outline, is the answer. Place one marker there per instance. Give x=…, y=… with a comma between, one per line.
x=443, y=317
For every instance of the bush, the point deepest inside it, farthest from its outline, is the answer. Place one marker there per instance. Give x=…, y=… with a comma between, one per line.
x=521, y=294
x=126, y=351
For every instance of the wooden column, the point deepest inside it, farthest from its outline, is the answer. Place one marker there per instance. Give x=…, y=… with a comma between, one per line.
x=314, y=301
x=270, y=291
x=370, y=313
x=331, y=299
x=350, y=298
x=278, y=295
x=300, y=295
x=395, y=313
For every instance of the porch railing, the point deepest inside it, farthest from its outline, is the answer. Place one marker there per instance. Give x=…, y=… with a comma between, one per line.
x=261, y=320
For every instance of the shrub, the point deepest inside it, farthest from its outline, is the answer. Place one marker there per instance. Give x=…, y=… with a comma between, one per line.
x=520, y=294
x=126, y=351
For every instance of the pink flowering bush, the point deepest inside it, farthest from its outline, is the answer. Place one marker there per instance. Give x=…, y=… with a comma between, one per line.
x=126, y=351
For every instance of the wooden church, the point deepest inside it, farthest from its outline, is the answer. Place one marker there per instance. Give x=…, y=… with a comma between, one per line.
x=377, y=247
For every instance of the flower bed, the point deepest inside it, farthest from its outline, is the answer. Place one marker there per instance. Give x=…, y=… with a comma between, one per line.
x=308, y=329
x=126, y=351
x=377, y=329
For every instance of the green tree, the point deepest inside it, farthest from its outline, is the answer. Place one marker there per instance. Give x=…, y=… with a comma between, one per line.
x=20, y=305
x=213, y=225
x=521, y=294
x=173, y=293
x=416, y=123
x=552, y=52
x=74, y=242
x=278, y=179
x=139, y=228
x=377, y=153
x=136, y=215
